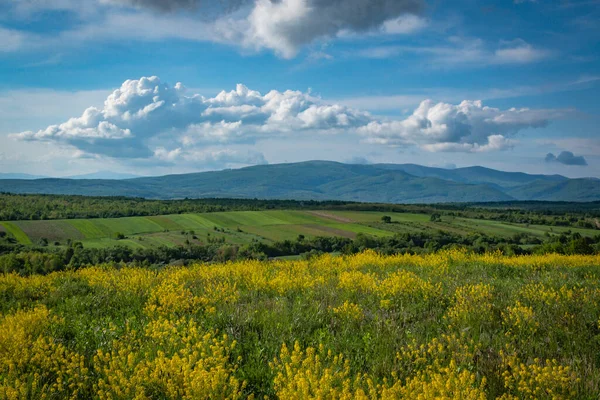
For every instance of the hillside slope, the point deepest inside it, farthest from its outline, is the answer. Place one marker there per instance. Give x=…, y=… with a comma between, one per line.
x=325, y=180
x=476, y=175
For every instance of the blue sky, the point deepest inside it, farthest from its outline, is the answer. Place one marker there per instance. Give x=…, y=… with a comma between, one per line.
x=88, y=86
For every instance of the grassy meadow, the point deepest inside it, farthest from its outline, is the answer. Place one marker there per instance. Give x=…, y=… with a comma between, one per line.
x=450, y=325
x=242, y=227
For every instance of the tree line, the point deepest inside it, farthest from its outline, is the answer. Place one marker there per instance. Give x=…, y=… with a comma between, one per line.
x=26, y=260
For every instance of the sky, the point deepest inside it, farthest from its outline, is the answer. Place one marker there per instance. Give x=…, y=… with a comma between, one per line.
x=154, y=87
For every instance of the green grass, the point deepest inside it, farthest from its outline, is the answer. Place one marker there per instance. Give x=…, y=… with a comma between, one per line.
x=166, y=222
x=89, y=229
x=17, y=232
x=192, y=221
x=165, y=230
x=363, y=229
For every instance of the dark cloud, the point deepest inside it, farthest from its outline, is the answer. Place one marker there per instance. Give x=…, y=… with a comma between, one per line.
x=363, y=14
x=172, y=5
x=566, y=158
x=284, y=26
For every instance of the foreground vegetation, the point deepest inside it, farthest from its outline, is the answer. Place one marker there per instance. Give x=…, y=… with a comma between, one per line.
x=451, y=325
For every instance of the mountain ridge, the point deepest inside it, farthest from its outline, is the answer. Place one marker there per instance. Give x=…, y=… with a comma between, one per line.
x=329, y=180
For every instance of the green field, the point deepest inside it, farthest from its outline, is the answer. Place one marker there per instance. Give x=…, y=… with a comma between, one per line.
x=241, y=227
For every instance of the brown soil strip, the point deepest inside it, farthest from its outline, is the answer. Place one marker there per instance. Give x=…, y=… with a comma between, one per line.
x=330, y=216
x=334, y=231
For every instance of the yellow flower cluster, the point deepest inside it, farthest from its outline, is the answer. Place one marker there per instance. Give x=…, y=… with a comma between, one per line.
x=537, y=293
x=33, y=366
x=130, y=280
x=448, y=383
x=32, y=287
x=173, y=360
x=437, y=354
x=185, y=290
x=314, y=374
x=470, y=302
x=519, y=321
x=318, y=374
x=538, y=380
x=349, y=311
x=401, y=284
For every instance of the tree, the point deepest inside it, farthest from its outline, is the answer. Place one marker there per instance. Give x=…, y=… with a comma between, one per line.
x=435, y=217
x=386, y=219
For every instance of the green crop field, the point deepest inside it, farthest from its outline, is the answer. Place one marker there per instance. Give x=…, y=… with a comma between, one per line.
x=17, y=232
x=241, y=227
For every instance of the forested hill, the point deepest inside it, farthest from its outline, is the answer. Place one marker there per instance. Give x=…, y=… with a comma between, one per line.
x=325, y=180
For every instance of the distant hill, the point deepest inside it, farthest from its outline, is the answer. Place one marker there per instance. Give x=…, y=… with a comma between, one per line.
x=476, y=175
x=326, y=180
x=20, y=176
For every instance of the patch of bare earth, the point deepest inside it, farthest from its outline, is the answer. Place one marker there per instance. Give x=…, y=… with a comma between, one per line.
x=330, y=216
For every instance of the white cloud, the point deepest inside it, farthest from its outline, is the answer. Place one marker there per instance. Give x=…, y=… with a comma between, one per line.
x=469, y=126
x=11, y=40
x=214, y=158
x=468, y=52
x=404, y=24
x=144, y=112
x=148, y=119
x=494, y=143
x=519, y=52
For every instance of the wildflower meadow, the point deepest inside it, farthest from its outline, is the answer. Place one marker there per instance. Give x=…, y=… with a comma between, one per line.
x=450, y=325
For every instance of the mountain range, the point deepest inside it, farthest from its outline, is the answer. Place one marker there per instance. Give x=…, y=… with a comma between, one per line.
x=327, y=180
x=93, y=175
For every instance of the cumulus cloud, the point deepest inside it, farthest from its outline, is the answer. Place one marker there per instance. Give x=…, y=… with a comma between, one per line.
x=149, y=119
x=494, y=143
x=469, y=126
x=142, y=113
x=285, y=25
x=221, y=158
x=566, y=158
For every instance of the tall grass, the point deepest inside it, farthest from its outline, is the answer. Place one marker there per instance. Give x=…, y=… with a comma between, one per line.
x=448, y=325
